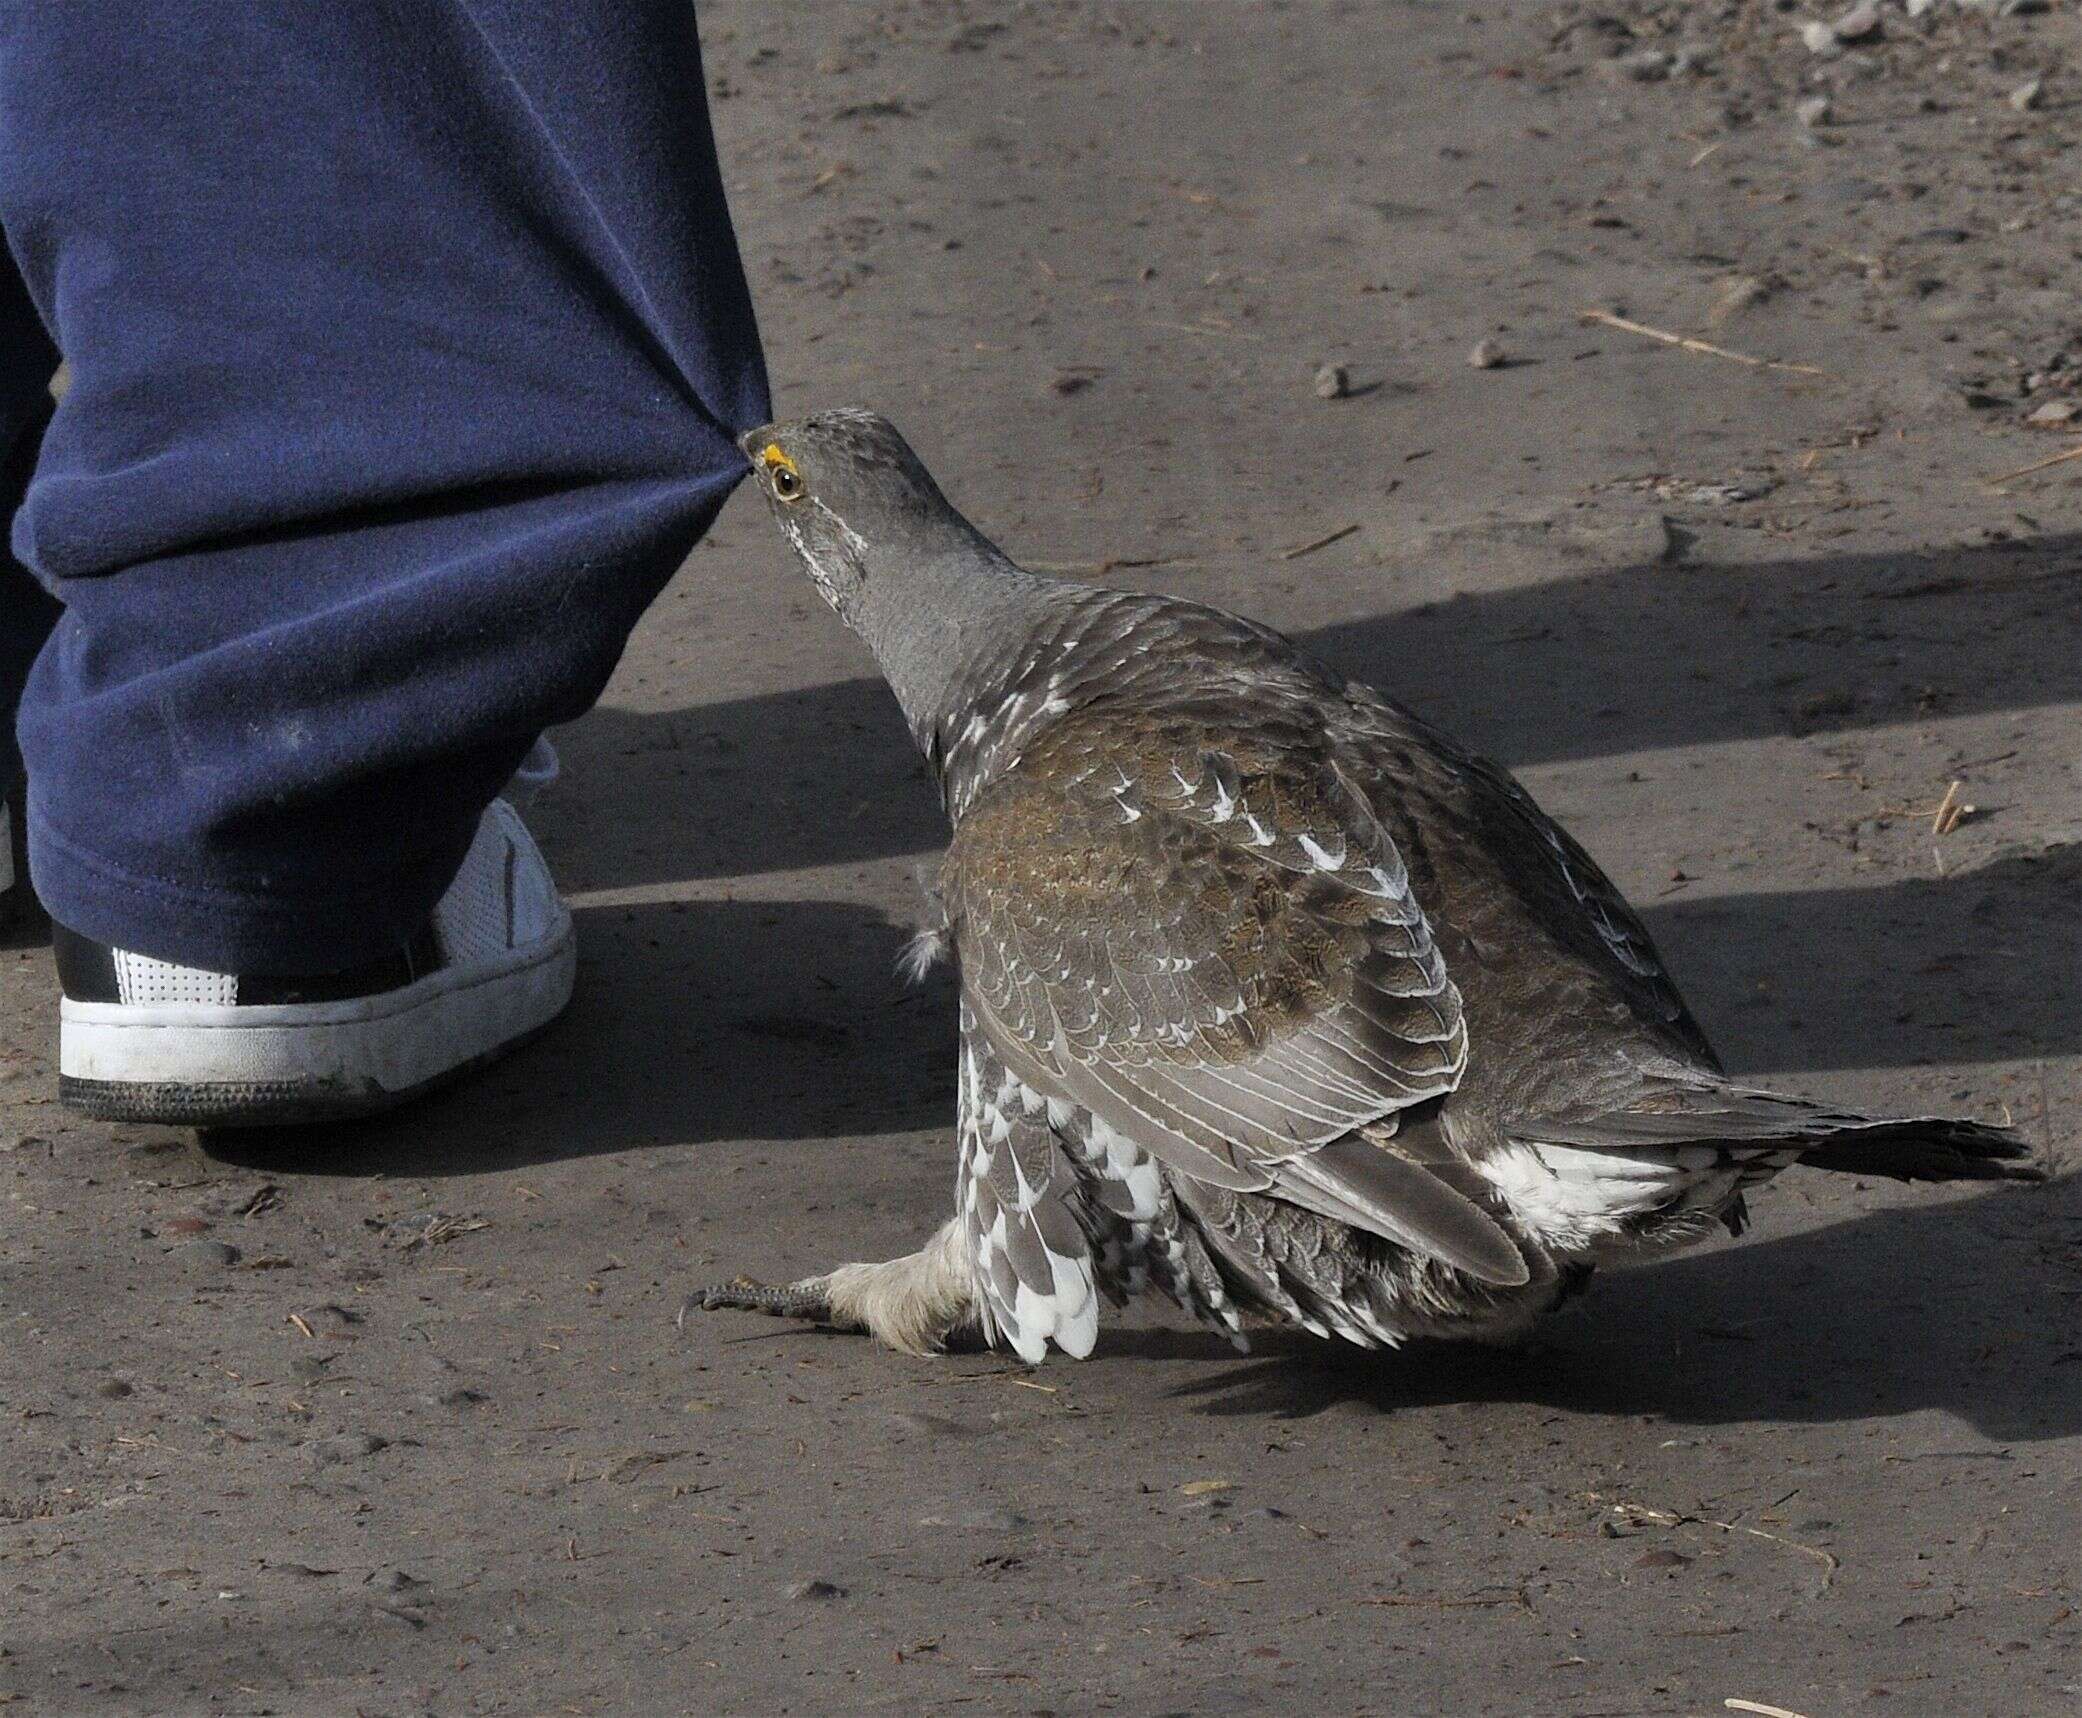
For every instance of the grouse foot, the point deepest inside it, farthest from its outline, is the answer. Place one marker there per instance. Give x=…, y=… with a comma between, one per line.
x=912, y=1304
x=797, y=1300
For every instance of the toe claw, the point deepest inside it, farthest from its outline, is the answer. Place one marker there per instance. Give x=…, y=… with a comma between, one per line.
x=798, y=1300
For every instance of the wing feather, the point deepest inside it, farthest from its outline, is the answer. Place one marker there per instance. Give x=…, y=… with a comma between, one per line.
x=1217, y=951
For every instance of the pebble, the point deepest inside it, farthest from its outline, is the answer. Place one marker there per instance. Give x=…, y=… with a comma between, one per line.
x=112, y=1389
x=1487, y=355
x=1858, y=23
x=816, y=1590
x=1815, y=111
x=346, y=1446
x=206, y=1255
x=1820, y=38
x=1715, y=494
x=2027, y=96
x=1333, y=382
x=1643, y=66
x=2054, y=414
x=1918, y=8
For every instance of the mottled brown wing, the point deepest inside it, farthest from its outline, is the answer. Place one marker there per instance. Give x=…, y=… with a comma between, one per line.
x=1528, y=854
x=1212, y=945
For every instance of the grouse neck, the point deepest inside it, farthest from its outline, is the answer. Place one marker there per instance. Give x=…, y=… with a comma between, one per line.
x=939, y=624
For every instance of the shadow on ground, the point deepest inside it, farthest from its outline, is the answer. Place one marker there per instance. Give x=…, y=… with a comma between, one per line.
x=693, y=1022
x=1965, y=1305
x=1646, y=658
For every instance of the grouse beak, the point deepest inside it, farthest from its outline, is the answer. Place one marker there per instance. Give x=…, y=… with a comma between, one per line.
x=753, y=440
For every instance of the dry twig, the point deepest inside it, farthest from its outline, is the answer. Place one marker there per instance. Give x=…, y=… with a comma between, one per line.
x=2040, y=465
x=1669, y=1518
x=1686, y=343
x=1315, y=543
x=1951, y=811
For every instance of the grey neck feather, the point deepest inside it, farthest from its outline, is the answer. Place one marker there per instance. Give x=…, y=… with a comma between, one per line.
x=943, y=618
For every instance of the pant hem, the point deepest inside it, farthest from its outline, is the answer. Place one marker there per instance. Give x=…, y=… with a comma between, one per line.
x=225, y=929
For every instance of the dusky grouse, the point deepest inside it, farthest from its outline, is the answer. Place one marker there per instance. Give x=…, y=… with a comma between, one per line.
x=1272, y=996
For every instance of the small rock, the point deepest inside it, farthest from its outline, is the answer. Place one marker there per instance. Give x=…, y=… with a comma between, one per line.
x=112, y=1390
x=1816, y=111
x=1918, y=8
x=1713, y=494
x=1859, y=24
x=1820, y=38
x=1487, y=355
x=394, y=1581
x=463, y=1397
x=206, y=1255
x=1740, y=293
x=2054, y=414
x=310, y=1366
x=1643, y=66
x=346, y=1446
x=816, y=1590
x=1333, y=382
x=2027, y=96
x=331, y=1317
x=1662, y=1560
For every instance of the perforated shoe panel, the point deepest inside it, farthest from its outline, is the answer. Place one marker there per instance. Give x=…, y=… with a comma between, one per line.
x=502, y=899
x=144, y=982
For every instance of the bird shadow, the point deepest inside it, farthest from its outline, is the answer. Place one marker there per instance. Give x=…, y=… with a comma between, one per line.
x=1964, y=1304
x=693, y=1021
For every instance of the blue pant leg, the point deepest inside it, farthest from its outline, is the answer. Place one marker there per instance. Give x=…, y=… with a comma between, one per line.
x=406, y=342
x=27, y=360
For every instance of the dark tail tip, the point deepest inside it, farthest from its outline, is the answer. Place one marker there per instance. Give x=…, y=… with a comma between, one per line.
x=1928, y=1149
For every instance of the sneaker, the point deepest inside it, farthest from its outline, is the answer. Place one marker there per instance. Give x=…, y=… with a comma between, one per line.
x=143, y=1040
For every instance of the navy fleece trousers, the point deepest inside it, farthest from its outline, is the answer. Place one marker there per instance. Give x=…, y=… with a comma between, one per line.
x=406, y=340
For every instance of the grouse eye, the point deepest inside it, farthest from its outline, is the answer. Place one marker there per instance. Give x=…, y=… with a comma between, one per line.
x=787, y=484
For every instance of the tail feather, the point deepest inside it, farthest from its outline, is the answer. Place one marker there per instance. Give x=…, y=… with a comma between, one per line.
x=1928, y=1148
x=1742, y=1121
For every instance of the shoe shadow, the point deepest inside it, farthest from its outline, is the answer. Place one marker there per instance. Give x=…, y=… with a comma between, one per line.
x=693, y=1021
x=1965, y=1305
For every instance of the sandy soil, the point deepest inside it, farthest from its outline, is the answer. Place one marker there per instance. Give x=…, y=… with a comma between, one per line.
x=432, y=1442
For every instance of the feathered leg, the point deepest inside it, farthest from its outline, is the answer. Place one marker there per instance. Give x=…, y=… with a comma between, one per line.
x=913, y=1303
x=1014, y=1259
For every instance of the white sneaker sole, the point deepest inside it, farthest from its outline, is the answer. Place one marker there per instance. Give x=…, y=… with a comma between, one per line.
x=212, y=1065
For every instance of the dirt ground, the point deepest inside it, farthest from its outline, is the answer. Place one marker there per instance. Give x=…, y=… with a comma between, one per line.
x=431, y=1442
